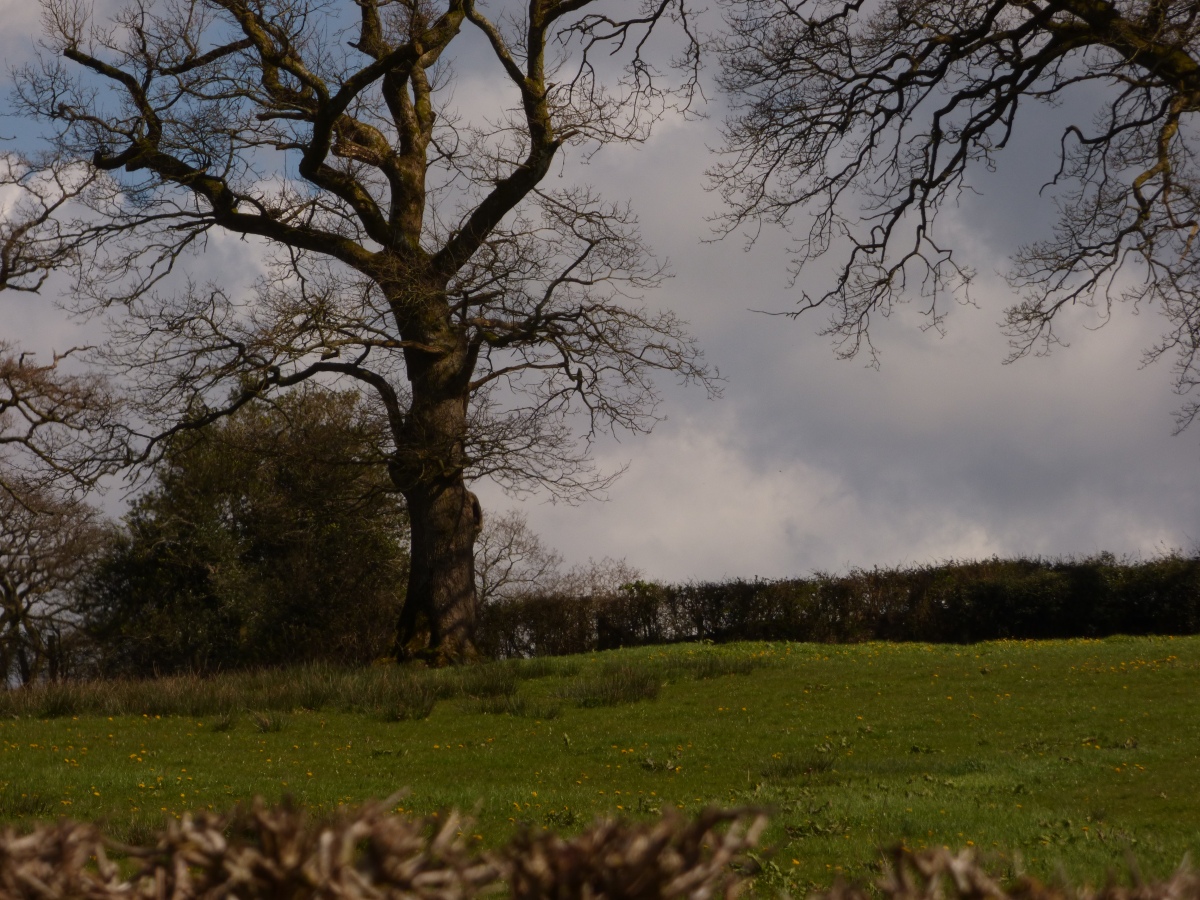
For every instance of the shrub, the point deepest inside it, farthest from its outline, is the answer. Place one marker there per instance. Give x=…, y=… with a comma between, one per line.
x=272, y=537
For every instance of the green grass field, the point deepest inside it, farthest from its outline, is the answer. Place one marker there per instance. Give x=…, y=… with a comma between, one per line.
x=1058, y=757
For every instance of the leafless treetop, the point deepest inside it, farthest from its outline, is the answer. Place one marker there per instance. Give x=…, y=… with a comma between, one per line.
x=332, y=138
x=868, y=118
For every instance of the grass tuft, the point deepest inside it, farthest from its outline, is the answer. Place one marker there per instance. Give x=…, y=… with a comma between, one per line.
x=615, y=684
x=547, y=667
x=59, y=700
x=712, y=664
x=787, y=766
x=269, y=722
x=489, y=680
x=519, y=705
x=18, y=805
x=413, y=702
x=224, y=722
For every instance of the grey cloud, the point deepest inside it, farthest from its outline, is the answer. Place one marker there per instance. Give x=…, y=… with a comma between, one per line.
x=814, y=463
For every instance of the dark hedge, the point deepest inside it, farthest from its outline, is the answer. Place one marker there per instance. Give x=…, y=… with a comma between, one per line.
x=957, y=602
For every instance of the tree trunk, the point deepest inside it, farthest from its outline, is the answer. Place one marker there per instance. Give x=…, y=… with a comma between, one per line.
x=437, y=623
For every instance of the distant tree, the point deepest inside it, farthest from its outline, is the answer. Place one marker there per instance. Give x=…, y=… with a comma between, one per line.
x=512, y=562
x=413, y=248
x=47, y=542
x=59, y=434
x=858, y=122
x=595, y=578
x=272, y=537
x=57, y=430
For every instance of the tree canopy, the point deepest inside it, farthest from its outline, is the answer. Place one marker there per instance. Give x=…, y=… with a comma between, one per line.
x=275, y=536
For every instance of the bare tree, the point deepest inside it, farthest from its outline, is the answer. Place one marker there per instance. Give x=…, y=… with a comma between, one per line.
x=46, y=542
x=595, y=578
x=56, y=429
x=59, y=433
x=511, y=560
x=868, y=118
x=409, y=246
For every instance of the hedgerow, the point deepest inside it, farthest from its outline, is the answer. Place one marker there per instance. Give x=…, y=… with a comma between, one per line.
x=957, y=602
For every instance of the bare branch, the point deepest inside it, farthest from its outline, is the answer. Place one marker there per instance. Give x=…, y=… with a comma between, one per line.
x=864, y=121
x=55, y=428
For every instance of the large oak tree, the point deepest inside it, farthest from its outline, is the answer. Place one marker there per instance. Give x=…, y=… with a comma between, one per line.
x=391, y=162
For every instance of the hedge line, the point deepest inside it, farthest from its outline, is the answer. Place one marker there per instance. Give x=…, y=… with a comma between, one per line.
x=957, y=602
x=275, y=853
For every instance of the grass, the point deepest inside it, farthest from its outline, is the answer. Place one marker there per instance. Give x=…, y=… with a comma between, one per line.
x=1058, y=757
x=615, y=683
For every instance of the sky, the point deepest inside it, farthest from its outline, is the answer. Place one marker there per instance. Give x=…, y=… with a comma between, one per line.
x=810, y=463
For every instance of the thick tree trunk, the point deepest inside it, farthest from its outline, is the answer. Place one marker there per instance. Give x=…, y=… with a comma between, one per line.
x=437, y=622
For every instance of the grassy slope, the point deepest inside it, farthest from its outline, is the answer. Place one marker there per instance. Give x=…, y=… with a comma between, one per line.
x=1058, y=754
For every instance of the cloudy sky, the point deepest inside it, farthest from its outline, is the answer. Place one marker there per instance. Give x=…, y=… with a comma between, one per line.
x=811, y=463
